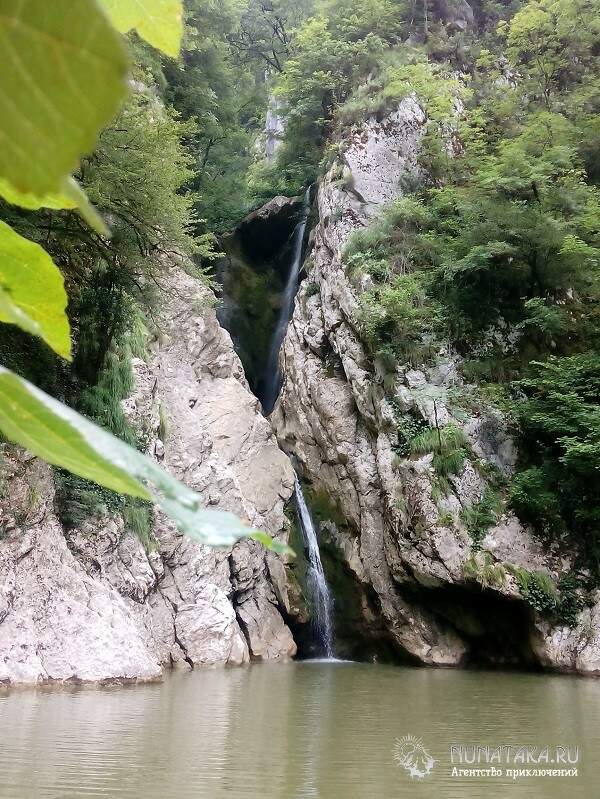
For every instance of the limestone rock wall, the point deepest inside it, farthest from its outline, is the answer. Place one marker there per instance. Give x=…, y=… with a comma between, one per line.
x=407, y=544
x=92, y=603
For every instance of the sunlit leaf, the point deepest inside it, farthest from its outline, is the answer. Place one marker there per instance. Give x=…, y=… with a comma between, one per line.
x=78, y=197
x=266, y=540
x=32, y=202
x=61, y=436
x=12, y=314
x=71, y=197
x=159, y=22
x=63, y=78
x=32, y=291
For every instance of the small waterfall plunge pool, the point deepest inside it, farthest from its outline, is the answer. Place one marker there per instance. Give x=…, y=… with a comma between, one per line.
x=301, y=730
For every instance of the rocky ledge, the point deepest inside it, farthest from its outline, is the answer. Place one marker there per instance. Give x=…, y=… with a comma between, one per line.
x=93, y=604
x=421, y=584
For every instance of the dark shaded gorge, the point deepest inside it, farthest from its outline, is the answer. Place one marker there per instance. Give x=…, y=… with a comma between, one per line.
x=253, y=276
x=259, y=278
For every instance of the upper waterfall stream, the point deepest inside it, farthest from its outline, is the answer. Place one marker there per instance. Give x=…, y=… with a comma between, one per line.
x=272, y=381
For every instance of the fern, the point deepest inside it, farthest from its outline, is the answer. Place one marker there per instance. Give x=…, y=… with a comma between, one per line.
x=450, y=449
x=482, y=515
x=138, y=517
x=481, y=568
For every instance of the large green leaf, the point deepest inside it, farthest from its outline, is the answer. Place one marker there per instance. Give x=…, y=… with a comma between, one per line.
x=64, y=438
x=32, y=292
x=63, y=78
x=71, y=196
x=31, y=201
x=159, y=22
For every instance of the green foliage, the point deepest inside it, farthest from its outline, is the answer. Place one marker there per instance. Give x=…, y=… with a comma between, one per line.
x=222, y=96
x=266, y=32
x=446, y=519
x=481, y=515
x=560, y=605
x=408, y=423
x=559, y=419
x=448, y=445
x=42, y=141
x=136, y=177
x=570, y=603
x=78, y=500
x=555, y=41
x=101, y=402
x=450, y=449
x=32, y=293
x=333, y=51
x=509, y=245
x=539, y=590
x=480, y=567
x=497, y=253
x=400, y=74
x=138, y=517
x=137, y=334
x=395, y=314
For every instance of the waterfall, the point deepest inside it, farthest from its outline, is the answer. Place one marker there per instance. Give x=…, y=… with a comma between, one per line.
x=274, y=128
x=317, y=584
x=271, y=384
x=272, y=379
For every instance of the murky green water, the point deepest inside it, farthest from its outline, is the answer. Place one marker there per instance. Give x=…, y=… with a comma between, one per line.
x=298, y=731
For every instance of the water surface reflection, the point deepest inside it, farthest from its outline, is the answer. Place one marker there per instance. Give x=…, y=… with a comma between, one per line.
x=303, y=731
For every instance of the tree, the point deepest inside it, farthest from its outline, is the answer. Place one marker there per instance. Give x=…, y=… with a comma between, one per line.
x=223, y=97
x=558, y=489
x=266, y=32
x=333, y=51
x=556, y=41
x=42, y=145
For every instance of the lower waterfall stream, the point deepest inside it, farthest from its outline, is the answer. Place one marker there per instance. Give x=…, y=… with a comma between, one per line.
x=320, y=596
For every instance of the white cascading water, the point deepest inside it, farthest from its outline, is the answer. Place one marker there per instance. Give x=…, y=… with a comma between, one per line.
x=272, y=376
x=317, y=584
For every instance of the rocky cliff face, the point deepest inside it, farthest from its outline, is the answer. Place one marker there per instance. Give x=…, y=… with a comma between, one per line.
x=406, y=547
x=92, y=603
